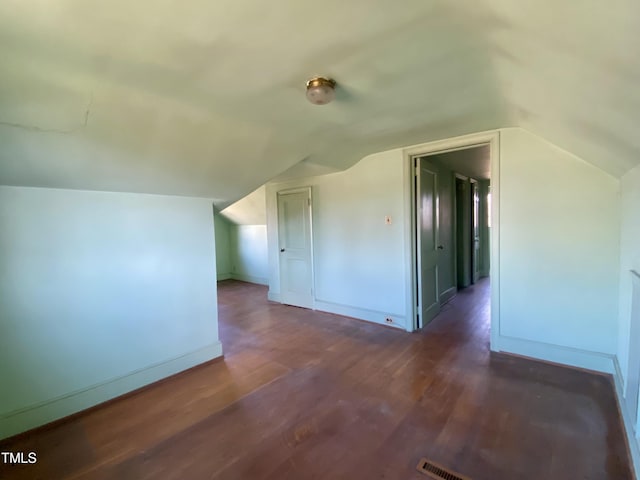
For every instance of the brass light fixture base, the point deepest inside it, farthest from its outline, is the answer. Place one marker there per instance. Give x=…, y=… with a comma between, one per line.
x=321, y=82
x=321, y=90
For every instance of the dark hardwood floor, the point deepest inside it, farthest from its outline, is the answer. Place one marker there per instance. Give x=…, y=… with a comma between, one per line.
x=309, y=395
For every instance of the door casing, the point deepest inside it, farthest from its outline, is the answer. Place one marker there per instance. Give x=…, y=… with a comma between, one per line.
x=475, y=231
x=492, y=139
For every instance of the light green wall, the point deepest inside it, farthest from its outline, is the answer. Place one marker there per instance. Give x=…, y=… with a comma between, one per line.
x=559, y=246
x=100, y=293
x=223, y=246
x=359, y=262
x=629, y=258
x=248, y=248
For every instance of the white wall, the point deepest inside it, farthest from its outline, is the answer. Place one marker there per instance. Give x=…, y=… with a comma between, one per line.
x=359, y=262
x=100, y=293
x=223, y=246
x=248, y=247
x=629, y=258
x=559, y=251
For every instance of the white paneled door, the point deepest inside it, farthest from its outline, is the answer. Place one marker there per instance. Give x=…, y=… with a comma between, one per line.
x=294, y=238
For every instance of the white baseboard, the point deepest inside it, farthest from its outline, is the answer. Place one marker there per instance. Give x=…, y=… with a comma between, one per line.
x=374, y=316
x=24, y=419
x=617, y=376
x=399, y=321
x=601, y=362
x=273, y=296
x=632, y=440
x=223, y=276
x=249, y=279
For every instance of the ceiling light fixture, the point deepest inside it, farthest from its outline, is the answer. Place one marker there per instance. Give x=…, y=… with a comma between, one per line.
x=320, y=90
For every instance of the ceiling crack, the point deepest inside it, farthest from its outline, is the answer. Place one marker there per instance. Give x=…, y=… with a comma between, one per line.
x=35, y=128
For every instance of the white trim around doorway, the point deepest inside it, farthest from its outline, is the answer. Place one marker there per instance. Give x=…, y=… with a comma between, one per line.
x=492, y=139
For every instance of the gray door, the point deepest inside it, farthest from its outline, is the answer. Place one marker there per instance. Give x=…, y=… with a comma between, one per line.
x=427, y=240
x=446, y=255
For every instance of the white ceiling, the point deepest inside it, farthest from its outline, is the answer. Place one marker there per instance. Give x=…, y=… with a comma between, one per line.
x=205, y=98
x=250, y=210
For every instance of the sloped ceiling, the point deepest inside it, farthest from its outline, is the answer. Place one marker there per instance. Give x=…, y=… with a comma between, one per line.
x=250, y=210
x=206, y=98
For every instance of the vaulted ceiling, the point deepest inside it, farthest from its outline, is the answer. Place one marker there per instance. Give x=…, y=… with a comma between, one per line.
x=206, y=98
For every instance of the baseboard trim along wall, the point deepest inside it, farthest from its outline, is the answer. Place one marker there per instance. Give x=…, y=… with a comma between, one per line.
x=628, y=424
x=575, y=357
x=249, y=279
x=273, y=296
x=448, y=294
x=18, y=421
x=399, y=321
x=374, y=316
x=223, y=276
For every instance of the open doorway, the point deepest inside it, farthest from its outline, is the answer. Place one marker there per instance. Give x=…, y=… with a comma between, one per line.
x=451, y=223
x=240, y=231
x=472, y=218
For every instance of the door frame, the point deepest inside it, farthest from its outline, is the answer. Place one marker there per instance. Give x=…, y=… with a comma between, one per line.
x=309, y=192
x=492, y=139
x=475, y=216
x=456, y=176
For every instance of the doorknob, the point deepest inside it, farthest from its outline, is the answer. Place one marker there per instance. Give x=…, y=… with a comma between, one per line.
x=440, y=247
x=281, y=250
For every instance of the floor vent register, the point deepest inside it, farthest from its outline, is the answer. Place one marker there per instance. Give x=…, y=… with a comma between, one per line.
x=438, y=472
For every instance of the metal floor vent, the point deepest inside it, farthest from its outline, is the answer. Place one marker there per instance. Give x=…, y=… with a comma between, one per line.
x=438, y=472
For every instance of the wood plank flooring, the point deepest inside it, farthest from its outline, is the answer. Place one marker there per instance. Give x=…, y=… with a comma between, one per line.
x=309, y=395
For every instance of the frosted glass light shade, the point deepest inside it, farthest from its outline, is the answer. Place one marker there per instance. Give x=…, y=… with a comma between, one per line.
x=320, y=90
